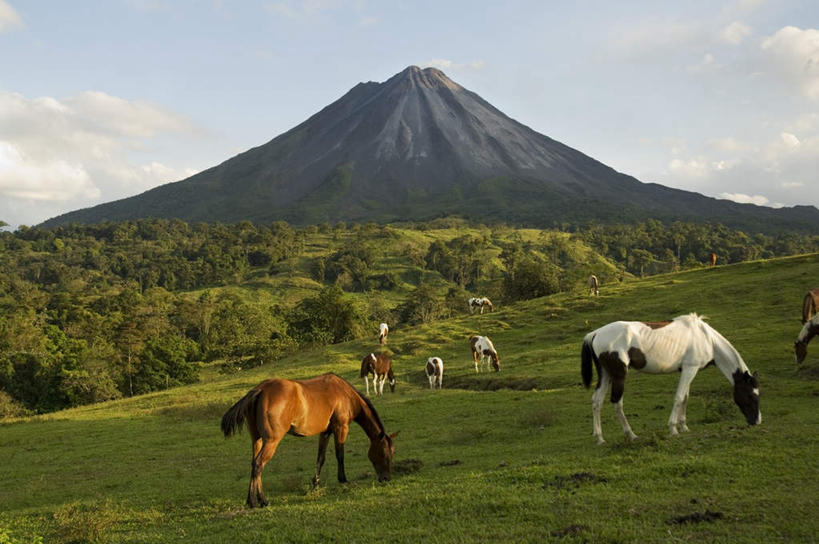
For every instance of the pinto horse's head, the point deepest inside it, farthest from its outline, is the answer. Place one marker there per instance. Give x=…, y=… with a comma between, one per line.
x=800, y=351
x=381, y=453
x=746, y=395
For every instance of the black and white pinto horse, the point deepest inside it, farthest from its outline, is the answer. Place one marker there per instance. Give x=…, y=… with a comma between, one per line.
x=594, y=285
x=435, y=372
x=484, y=351
x=381, y=369
x=383, y=331
x=687, y=344
x=809, y=330
x=480, y=302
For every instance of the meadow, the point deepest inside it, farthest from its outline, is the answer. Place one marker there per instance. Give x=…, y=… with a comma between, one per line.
x=504, y=456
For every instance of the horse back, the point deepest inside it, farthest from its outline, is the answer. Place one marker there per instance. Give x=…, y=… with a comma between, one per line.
x=305, y=407
x=810, y=304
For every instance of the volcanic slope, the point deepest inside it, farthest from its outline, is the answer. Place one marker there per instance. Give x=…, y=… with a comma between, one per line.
x=419, y=146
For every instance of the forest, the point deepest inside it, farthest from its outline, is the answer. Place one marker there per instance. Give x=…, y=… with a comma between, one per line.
x=96, y=312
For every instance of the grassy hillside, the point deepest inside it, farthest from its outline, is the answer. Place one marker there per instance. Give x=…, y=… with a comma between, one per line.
x=506, y=456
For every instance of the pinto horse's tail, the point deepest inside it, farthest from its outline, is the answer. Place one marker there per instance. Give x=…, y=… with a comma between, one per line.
x=587, y=356
x=234, y=418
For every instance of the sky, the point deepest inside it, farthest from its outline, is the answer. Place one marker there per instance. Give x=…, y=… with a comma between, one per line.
x=100, y=100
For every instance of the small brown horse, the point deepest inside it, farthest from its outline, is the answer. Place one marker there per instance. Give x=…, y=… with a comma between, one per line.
x=322, y=406
x=712, y=259
x=594, y=285
x=381, y=369
x=810, y=304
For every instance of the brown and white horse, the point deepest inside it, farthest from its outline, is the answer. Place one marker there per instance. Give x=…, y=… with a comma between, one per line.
x=809, y=330
x=687, y=344
x=435, y=372
x=480, y=302
x=383, y=331
x=594, y=285
x=381, y=369
x=322, y=406
x=484, y=351
x=712, y=259
x=810, y=304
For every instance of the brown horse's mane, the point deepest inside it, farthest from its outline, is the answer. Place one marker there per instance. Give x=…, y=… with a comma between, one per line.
x=366, y=401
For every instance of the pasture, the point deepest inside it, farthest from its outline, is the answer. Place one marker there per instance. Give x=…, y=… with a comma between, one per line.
x=504, y=456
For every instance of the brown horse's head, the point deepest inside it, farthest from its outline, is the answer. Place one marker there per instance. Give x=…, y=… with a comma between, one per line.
x=746, y=395
x=800, y=350
x=381, y=453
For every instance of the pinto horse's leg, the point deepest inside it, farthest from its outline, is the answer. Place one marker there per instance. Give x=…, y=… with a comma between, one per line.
x=324, y=439
x=367, y=383
x=680, y=400
x=340, y=437
x=597, y=404
x=618, y=409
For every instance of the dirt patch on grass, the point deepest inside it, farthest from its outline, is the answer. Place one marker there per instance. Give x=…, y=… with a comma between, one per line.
x=451, y=463
x=696, y=517
x=407, y=466
x=494, y=382
x=575, y=480
x=571, y=530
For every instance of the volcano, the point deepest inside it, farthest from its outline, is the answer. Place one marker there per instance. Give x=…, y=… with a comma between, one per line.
x=420, y=146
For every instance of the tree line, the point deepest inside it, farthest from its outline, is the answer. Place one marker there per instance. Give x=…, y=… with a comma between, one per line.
x=96, y=312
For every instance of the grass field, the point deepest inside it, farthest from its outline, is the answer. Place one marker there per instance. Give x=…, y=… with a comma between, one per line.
x=492, y=457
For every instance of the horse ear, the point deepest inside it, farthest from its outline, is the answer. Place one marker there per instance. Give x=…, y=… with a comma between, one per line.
x=393, y=435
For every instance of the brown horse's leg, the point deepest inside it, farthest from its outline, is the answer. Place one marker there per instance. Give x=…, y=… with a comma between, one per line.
x=340, y=437
x=255, y=496
x=324, y=439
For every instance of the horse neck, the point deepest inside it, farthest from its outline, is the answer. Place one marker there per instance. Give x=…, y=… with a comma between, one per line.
x=726, y=357
x=368, y=419
x=809, y=330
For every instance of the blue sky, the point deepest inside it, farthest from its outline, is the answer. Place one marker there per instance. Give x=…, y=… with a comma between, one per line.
x=105, y=99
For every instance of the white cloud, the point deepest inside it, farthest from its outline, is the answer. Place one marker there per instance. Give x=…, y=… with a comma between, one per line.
x=446, y=64
x=9, y=18
x=742, y=198
x=790, y=140
x=734, y=33
x=793, y=55
x=79, y=151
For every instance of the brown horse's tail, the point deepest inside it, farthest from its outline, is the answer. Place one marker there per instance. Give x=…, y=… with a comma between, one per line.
x=587, y=356
x=234, y=418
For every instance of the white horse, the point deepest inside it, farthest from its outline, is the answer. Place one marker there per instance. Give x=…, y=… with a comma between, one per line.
x=809, y=330
x=435, y=372
x=383, y=330
x=686, y=344
x=484, y=351
x=480, y=302
x=594, y=285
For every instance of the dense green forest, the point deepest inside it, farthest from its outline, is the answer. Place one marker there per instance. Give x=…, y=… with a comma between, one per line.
x=96, y=312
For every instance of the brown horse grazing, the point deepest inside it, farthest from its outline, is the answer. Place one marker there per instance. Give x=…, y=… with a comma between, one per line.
x=381, y=369
x=810, y=304
x=712, y=259
x=322, y=406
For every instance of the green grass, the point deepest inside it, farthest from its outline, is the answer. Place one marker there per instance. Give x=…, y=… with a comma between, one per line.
x=506, y=456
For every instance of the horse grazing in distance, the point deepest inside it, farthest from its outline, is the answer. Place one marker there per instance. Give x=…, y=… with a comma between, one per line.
x=686, y=344
x=480, y=302
x=809, y=330
x=484, y=351
x=435, y=372
x=322, y=406
x=383, y=331
x=594, y=285
x=381, y=369
x=810, y=304
x=712, y=259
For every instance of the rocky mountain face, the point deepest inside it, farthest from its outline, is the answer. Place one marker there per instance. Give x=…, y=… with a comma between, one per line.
x=419, y=146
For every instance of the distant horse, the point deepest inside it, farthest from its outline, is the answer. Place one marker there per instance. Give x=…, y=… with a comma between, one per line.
x=381, y=369
x=322, y=406
x=686, y=344
x=594, y=285
x=435, y=372
x=484, y=351
x=480, y=302
x=809, y=330
x=712, y=259
x=383, y=331
x=810, y=304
